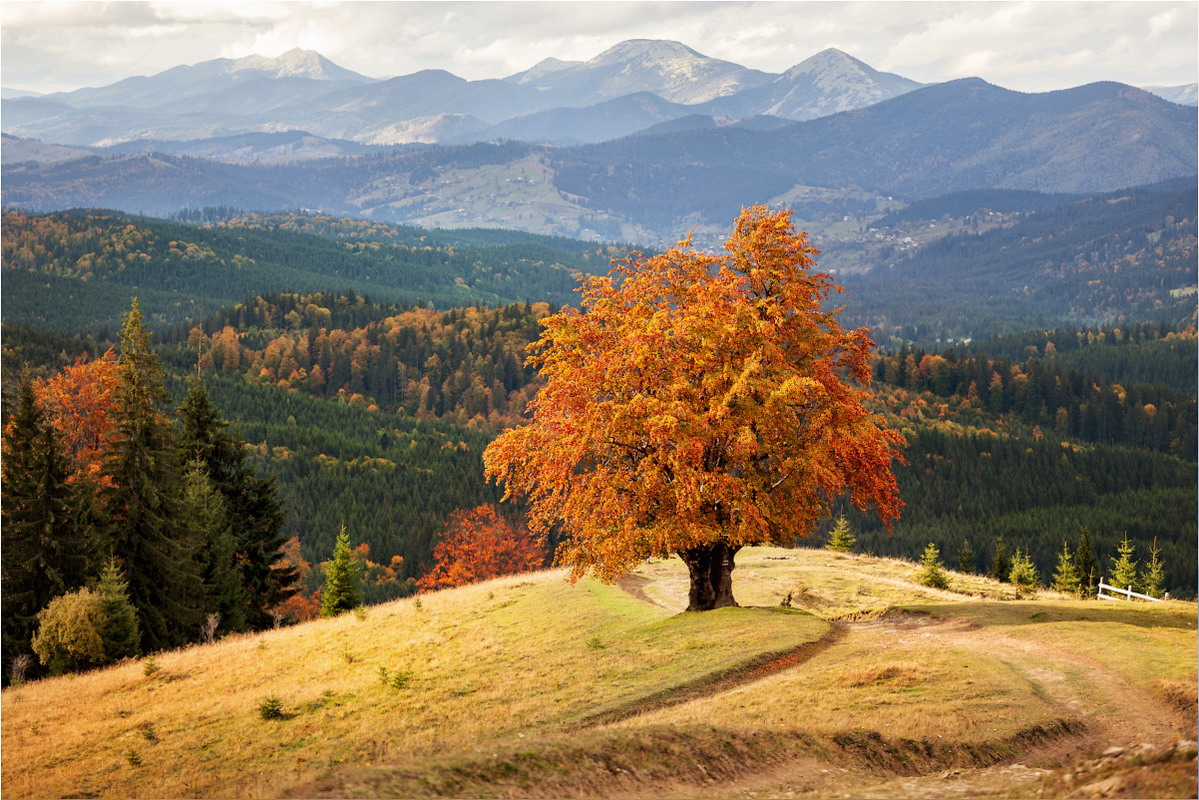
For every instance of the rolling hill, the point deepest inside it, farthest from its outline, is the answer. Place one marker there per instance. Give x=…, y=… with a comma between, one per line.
x=533, y=686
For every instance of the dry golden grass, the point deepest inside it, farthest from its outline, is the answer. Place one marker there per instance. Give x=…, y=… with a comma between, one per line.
x=494, y=662
x=532, y=660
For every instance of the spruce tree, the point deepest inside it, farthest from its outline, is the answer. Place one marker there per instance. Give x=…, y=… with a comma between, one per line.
x=149, y=533
x=1086, y=564
x=1024, y=574
x=841, y=538
x=47, y=540
x=1065, y=577
x=966, y=558
x=341, y=592
x=216, y=554
x=1153, y=581
x=251, y=504
x=932, y=572
x=119, y=630
x=1001, y=564
x=1124, y=569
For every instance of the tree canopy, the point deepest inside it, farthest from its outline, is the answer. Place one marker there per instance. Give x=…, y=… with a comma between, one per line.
x=695, y=404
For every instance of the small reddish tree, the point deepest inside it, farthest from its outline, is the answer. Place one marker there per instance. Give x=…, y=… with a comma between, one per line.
x=477, y=545
x=696, y=404
x=79, y=401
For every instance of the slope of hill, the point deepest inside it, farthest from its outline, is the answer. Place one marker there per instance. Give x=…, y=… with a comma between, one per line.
x=532, y=686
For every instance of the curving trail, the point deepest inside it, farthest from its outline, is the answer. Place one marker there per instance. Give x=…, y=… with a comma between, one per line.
x=1114, y=710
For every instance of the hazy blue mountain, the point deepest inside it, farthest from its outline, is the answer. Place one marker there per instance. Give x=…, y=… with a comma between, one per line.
x=600, y=122
x=15, y=150
x=282, y=146
x=669, y=69
x=954, y=137
x=828, y=82
x=1185, y=95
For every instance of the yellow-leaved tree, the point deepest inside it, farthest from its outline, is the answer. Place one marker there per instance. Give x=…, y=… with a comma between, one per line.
x=696, y=404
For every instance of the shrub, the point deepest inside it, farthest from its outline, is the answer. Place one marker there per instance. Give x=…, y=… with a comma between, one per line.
x=932, y=571
x=271, y=708
x=69, y=633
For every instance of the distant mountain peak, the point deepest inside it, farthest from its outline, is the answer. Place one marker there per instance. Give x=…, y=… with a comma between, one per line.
x=295, y=63
x=647, y=51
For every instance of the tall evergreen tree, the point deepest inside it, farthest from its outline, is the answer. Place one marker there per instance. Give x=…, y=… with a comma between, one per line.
x=341, y=592
x=1155, y=572
x=47, y=540
x=216, y=550
x=1065, y=577
x=966, y=558
x=149, y=533
x=252, y=504
x=1001, y=564
x=119, y=631
x=1086, y=564
x=1124, y=569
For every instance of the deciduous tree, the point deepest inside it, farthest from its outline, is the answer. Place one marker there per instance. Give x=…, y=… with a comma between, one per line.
x=696, y=404
x=478, y=545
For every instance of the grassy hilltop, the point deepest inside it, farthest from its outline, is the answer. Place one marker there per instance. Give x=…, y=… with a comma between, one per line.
x=869, y=685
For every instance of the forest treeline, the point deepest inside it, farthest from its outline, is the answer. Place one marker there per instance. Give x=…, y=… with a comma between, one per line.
x=388, y=438
x=1057, y=401
x=76, y=270
x=130, y=524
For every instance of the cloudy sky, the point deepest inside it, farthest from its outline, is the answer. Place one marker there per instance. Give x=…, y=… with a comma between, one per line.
x=1028, y=46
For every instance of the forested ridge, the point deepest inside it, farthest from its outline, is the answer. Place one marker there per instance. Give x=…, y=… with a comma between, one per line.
x=388, y=437
x=77, y=269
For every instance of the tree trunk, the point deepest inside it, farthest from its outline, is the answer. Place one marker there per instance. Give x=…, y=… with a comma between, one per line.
x=711, y=568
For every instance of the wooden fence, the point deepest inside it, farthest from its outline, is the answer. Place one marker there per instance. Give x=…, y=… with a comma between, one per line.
x=1124, y=594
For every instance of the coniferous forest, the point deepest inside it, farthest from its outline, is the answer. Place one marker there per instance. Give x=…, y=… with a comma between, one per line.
x=328, y=375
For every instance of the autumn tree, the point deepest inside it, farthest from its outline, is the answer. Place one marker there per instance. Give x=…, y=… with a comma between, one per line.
x=48, y=541
x=695, y=404
x=79, y=400
x=477, y=545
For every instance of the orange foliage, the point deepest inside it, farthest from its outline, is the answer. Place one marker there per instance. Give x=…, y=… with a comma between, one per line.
x=78, y=401
x=478, y=545
x=297, y=608
x=698, y=400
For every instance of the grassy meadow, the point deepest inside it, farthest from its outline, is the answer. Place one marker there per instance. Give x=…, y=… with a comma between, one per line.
x=532, y=684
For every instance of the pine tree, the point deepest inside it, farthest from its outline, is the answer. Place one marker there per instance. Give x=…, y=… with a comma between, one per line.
x=149, y=533
x=341, y=592
x=251, y=503
x=1065, y=577
x=966, y=558
x=1124, y=569
x=216, y=555
x=1152, y=582
x=1023, y=575
x=119, y=630
x=1086, y=564
x=932, y=572
x=1001, y=564
x=841, y=538
x=46, y=537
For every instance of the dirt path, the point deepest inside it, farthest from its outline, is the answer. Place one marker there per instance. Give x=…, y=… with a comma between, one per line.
x=1116, y=711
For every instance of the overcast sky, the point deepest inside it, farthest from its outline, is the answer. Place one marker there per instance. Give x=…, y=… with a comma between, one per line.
x=1028, y=46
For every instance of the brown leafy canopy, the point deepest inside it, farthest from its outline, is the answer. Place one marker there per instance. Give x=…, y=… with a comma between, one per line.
x=477, y=545
x=698, y=399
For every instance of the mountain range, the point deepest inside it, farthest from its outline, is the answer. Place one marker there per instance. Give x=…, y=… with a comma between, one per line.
x=632, y=86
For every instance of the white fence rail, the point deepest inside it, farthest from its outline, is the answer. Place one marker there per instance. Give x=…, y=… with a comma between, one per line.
x=1124, y=594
